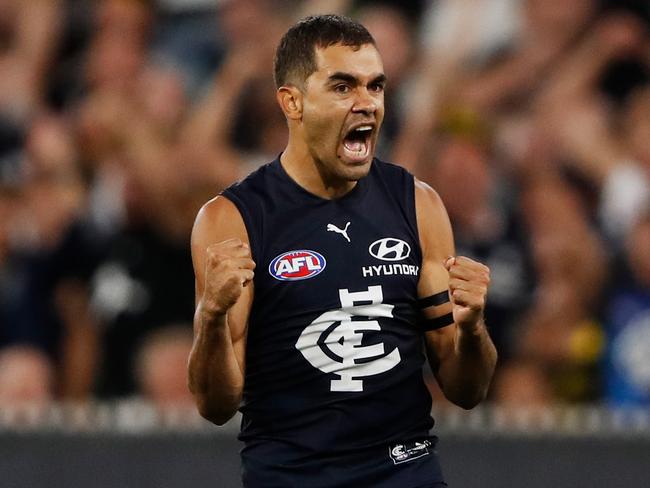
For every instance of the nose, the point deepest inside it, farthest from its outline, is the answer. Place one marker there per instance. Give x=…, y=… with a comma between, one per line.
x=365, y=102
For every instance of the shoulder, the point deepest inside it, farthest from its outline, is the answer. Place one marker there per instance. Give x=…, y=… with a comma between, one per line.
x=426, y=197
x=433, y=222
x=218, y=220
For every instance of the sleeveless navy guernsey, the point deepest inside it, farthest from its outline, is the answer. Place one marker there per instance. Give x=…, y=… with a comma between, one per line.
x=334, y=394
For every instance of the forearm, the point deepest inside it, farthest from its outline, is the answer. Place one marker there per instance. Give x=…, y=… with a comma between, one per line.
x=465, y=373
x=423, y=110
x=577, y=72
x=80, y=342
x=38, y=31
x=215, y=376
x=212, y=118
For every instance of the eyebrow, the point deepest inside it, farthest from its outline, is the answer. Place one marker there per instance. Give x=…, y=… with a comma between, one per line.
x=353, y=80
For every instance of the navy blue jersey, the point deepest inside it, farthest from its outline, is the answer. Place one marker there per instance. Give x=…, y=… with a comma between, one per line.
x=334, y=394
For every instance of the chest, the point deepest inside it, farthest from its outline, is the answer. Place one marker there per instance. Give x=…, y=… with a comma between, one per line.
x=312, y=255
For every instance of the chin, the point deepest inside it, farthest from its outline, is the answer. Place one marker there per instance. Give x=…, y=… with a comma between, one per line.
x=354, y=171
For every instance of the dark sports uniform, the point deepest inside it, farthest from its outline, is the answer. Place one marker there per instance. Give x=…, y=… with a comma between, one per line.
x=334, y=394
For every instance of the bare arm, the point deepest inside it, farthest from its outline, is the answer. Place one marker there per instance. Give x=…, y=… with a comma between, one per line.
x=205, y=136
x=80, y=342
x=462, y=355
x=439, y=70
x=224, y=272
x=486, y=90
x=572, y=108
x=39, y=24
x=25, y=65
x=613, y=37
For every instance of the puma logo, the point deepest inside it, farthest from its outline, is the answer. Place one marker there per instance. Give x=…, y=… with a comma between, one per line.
x=343, y=232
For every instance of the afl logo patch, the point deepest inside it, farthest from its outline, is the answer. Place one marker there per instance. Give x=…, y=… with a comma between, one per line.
x=390, y=249
x=297, y=265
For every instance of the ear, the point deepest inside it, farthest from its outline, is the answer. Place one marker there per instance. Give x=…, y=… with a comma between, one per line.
x=290, y=100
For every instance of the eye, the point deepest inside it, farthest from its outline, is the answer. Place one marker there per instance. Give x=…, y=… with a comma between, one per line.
x=342, y=88
x=376, y=87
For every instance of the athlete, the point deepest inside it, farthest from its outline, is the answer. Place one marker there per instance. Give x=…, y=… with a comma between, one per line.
x=323, y=278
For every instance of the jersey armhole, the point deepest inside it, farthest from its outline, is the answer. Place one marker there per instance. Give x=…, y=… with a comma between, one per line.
x=248, y=223
x=413, y=214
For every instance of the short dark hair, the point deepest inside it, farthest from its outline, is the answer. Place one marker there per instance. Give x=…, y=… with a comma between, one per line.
x=295, y=55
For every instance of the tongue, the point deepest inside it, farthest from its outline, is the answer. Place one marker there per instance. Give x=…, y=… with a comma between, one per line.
x=356, y=146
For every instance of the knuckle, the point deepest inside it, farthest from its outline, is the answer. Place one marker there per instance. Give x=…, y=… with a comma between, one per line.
x=232, y=242
x=464, y=260
x=214, y=261
x=220, y=260
x=232, y=280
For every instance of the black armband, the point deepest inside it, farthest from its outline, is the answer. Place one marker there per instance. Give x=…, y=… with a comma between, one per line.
x=437, y=323
x=434, y=300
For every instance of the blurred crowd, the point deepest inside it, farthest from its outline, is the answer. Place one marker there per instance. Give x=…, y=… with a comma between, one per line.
x=119, y=118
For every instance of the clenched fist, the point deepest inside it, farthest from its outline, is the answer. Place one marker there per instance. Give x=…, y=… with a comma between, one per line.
x=468, y=285
x=228, y=269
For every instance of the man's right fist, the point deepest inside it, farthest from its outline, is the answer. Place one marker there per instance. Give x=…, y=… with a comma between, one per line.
x=228, y=268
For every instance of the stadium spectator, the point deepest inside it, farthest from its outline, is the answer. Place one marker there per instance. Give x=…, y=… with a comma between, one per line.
x=26, y=377
x=160, y=366
x=626, y=372
x=188, y=38
x=119, y=117
x=29, y=33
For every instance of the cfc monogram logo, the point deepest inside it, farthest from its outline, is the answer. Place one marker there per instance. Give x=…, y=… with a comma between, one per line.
x=332, y=342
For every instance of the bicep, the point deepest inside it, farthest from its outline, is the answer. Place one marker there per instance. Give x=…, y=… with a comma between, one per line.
x=436, y=242
x=217, y=221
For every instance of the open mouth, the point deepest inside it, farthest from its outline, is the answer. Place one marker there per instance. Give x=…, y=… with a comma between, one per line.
x=357, y=142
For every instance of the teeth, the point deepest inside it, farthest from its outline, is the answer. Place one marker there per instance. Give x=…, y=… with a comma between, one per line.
x=364, y=127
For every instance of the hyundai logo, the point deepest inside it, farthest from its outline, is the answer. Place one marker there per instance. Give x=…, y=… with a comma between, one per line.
x=390, y=249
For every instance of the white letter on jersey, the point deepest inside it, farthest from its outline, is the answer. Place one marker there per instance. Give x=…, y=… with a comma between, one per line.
x=344, y=341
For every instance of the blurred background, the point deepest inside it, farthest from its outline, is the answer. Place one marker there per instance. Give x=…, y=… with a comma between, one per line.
x=120, y=118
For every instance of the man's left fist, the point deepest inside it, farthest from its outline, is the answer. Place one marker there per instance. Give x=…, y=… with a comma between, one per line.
x=468, y=285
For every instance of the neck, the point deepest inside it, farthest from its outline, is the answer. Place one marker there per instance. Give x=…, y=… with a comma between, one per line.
x=311, y=174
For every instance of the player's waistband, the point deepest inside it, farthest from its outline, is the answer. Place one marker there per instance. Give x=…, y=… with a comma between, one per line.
x=408, y=463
